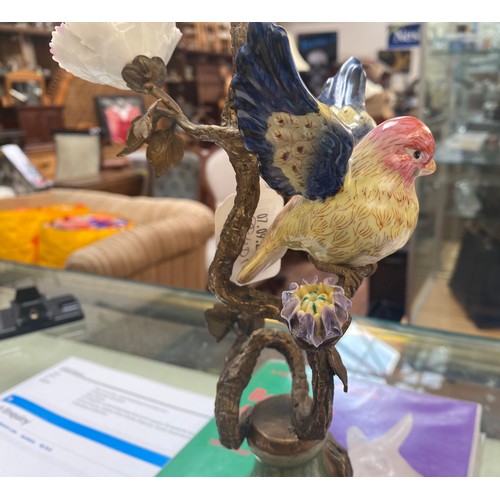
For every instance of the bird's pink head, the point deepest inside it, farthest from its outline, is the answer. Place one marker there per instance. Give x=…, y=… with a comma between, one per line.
x=406, y=145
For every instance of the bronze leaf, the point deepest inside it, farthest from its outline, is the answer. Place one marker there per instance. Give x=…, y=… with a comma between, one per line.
x=141, y=128
x=336, y=364
x=165, y=149
x=134, y=140
x=219, y=321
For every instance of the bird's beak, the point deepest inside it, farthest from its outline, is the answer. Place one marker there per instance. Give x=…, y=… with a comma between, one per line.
x=429, y=169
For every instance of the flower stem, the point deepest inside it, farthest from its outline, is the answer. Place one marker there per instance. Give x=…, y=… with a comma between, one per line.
x=316, y=423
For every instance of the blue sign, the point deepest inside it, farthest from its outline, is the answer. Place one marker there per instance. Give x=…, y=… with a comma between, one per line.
x=404, y=36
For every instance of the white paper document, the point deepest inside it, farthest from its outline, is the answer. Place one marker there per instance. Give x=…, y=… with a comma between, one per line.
x=79, y=418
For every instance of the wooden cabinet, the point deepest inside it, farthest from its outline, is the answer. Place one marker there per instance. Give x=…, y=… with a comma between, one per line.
x=200, y=70
x=25, y=46
x=212, y=38
x=122, y=181
x=199, y=83
x=38, y=122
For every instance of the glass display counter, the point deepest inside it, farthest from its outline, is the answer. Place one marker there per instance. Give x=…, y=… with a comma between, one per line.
x=455, y=251
x=160, y=333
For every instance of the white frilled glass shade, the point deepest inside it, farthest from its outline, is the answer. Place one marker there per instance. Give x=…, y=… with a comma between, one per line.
x=97, y=52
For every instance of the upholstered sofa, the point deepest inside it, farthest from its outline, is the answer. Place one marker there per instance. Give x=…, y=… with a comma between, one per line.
x=165, y=246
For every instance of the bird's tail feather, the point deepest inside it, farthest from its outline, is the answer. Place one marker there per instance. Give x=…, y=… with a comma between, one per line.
x=265, y=256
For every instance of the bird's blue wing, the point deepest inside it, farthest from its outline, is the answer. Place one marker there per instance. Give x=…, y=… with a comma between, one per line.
x=347, y=87
x=345, y=94
x=302, y=146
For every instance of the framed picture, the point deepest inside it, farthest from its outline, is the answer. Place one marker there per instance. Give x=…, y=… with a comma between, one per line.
x=397, y=60
x=115, y=114
x=78, y=153
x=320, y=51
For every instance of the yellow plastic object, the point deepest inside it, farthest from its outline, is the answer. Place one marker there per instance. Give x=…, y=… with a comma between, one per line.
x=61, y=237
x=20, y=230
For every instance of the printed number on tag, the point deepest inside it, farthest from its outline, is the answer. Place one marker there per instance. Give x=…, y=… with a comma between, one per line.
x=270, y=203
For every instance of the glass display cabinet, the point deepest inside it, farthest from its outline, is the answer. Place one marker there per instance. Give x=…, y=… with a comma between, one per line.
x=455, y=253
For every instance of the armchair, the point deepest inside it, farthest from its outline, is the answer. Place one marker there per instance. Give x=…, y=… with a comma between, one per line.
x=165, y=246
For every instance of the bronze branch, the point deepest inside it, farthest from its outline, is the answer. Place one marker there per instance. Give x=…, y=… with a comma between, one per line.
x=243, y=308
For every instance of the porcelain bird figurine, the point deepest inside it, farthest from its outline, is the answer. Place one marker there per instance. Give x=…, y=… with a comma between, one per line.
x=352, y=183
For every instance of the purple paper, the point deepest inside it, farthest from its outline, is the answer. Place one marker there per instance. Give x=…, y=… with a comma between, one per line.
x=437, y=440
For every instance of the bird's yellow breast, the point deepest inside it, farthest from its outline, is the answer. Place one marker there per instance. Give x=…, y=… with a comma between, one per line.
x=360, y=225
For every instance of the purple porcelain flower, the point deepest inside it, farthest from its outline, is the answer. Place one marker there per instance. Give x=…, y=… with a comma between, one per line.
x=315, y=312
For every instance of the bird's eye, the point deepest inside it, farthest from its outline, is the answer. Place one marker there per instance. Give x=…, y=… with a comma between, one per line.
x=416, y=154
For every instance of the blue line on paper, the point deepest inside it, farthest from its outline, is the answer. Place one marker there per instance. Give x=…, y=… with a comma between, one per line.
x=89, y=433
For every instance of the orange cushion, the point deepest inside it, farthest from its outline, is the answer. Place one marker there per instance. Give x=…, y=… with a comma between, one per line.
x=62, y=236
x=20, y=230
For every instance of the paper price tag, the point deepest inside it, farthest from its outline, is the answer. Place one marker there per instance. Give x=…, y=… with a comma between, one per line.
x=270, y=204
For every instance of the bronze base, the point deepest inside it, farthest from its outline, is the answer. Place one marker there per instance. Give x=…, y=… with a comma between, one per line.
x=280, y=452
